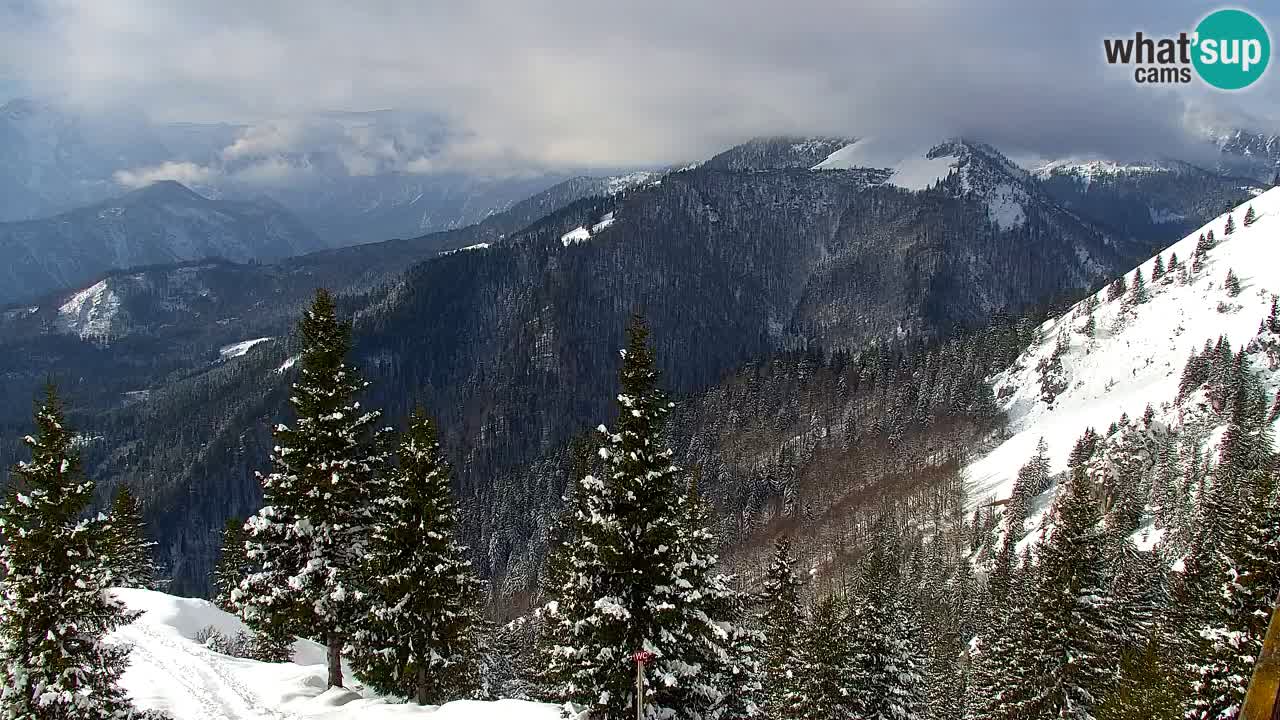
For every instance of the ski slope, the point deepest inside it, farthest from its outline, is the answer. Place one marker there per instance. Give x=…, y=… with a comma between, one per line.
x=1137, y=355
x=170, y=672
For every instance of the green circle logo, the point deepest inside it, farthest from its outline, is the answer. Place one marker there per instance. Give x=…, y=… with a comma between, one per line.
x=1231, y=49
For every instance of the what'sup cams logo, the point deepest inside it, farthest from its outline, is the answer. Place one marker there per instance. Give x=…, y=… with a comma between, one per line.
x=1229, y=49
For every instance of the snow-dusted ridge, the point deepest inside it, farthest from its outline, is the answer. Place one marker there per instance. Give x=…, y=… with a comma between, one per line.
x=1138, y=353
x=170, y=672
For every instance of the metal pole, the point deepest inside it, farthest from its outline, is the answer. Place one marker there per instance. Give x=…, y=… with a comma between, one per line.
x=1262, y=702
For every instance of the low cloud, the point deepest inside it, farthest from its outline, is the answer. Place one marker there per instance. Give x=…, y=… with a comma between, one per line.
x=187, y=173
x=578, y=83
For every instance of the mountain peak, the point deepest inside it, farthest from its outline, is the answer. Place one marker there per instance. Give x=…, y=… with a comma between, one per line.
x=165, y=191
x=778, y=152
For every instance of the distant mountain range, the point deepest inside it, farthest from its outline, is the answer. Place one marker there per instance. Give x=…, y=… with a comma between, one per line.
x=351, y=177
x=162, y=223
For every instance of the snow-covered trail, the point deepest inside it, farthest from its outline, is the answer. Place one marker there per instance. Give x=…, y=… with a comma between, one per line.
x=170, y=672
x=187, y=680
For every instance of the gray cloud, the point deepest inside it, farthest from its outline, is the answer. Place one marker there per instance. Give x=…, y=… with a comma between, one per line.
x=578, y=83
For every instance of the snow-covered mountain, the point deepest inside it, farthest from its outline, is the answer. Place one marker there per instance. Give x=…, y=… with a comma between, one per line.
x=173, y=673
x=162, y=223
x=1071, y=381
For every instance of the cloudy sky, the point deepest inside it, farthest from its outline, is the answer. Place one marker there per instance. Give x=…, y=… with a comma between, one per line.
x=604, y=83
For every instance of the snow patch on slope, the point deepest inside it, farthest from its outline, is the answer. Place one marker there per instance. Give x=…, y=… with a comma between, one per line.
x=172, y=673
x=235, y=350
x=1138, y=354
x=89, y=313
x=576, y=235
x=911, y=168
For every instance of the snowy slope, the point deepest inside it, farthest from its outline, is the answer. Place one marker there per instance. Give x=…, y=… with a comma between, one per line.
x=1137, y=355
x=171, y=672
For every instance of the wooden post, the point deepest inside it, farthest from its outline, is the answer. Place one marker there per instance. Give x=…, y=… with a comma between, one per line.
x=1263, y=699
x=642, y=658
x=639, y=690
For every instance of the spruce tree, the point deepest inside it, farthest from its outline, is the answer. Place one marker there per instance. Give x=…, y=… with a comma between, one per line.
x=1249, y=216
x=55, y=569
x=1138, y=292
x=783, y=623
x=1157, y=270
x=131, y=552
x=308, y=539
x=1230, y=226
x=1071, y=659
x=828, y=684
x=232, y=565
x=423, y=595
x=639, y=577
x=1232, y=283
x=886, y=672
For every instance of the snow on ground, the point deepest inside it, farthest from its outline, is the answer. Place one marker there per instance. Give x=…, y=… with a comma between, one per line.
x=284, y=366
x=605, y=222
x=172, y=673
x=1088, y=170
x=90, y=312
x=911, y=168
x=477, y=246
x=1139, y=361
x=235, y=350
x=576, y=235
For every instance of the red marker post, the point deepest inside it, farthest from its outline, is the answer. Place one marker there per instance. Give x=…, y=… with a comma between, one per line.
x=642, y=658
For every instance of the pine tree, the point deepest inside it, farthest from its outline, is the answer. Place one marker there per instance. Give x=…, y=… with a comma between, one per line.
x=639, y=578
x=1147, y=689
x=1231, y=225
x=55, y=569
x=783, y=623
x=1173, y=262
x=1249, y=216
x=1090, y=328
x=131, y=553
x=308, y=539
x=1157, y=270
x=1070, y=657
x=1232, y=283
x=828, y=684
x=1238, y=568
x=422, y=592
x=1138, y=293
x=1001, y=675
x=886, y=675
x=232, y=566
x=1116, y=289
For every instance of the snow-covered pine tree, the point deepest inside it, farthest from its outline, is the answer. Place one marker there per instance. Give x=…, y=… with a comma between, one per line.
x=783, y=622
x=1157, y=270
x=1240, y=570
x=422, y=593
x=886, y=673
x=308, y=539
x=131, y=552
x=1232, y=283
x=1116, y=289
x=827, y=684
x=232, y=565
x=1235, y=635
x=1033, y=479
x=1230, y=226
x=1249, y=216
x=1001, y=674
x=1071, y=659
x=55, y=569
x=636, y=580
